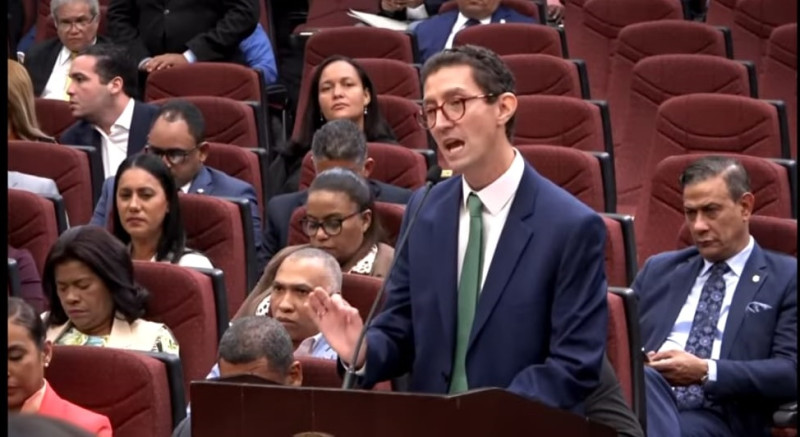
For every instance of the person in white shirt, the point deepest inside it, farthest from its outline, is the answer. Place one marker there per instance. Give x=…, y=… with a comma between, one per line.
x=410, y=10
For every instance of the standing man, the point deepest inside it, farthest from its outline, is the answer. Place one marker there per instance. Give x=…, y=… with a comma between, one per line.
x=103, y=79
x=49, y=61
x=502, y=280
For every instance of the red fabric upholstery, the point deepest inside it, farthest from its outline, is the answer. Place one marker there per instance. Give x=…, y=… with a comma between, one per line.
x=575, y=171
x=561, y=121
x=771, y=233
x=46, y=27
x=616, y=269
x=214, y=227
x=349, y=41
x=660, y=211
x=360, y=292
x=130, y=388
x=655, y=79
x=603, y=20
x=512, y=38
x=237, y=162
x=219, y=79
x=640, y=40
x=720, y=12
x=522, y=6
x=318, y=372
x=227, y=120
x=393, y=165
x=753, y=23
x=554, y=76
x=333, y=13
x=389, y=214
x=401, y=114
x=54, y=116
x=68, y=167
x=618, y=345
x=573, y=19
x=393, y=77
x=32, y=225
x=778, y=76
x=183, y=299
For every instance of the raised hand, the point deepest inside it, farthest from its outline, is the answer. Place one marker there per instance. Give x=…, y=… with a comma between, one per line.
x=339, y=322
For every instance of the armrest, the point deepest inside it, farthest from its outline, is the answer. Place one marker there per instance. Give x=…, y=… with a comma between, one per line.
x=786, y=416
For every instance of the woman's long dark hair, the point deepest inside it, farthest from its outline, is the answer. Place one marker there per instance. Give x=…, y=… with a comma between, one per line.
x=104, y=255
x=172, y=244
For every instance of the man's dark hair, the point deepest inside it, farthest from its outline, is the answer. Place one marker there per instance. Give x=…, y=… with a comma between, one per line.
x=732, y=171
x=179, y=109
x=114, y=61
x=253, y=337
x=339, y=140
x=489, y=71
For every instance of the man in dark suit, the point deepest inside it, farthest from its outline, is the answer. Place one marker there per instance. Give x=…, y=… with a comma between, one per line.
x=103, y=79
x=164, y=34
x=338, y=143
x=502, y=280
x=437, y=33
x=719, y=319
x=48, y=62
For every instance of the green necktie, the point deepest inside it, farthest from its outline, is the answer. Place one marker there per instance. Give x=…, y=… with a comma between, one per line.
x=468, y=290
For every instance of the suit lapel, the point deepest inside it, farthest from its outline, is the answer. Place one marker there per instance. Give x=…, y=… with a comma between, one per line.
x=514, y=238
x=745, y=291
x=444, y=246
x=140, y=128
x=681, y=285
x=202, y=182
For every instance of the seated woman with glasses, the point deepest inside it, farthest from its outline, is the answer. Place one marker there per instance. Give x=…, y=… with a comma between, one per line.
x=147, y=215
x=339, y=89
x=94, y=301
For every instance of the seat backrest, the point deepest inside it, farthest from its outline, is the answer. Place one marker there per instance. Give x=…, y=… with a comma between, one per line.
x=603, y=20
x=620, y=251
x=68, y=167
x=772, y=233
x=130, y=388
x=393, y=165
x=573, y=19
x=389, y=214
x=575, y=171
x=393, y=77
x=183, y=299
x=753, y=23
x=238, y=162
x=214, y=227
x=360, y=291
x=640, y=40
x=778, y=75
x=656, y=79
x=401, y=114
x=524, y=7
x=318, y=372
x=226, y=120
x=54, y=116
x=554, y=76
x=513, y=38
x=561, y=121
x=720, y=12
x=618, y=345
x=333, y=13
x=220, y=79
x=33, y=224
x=660, y=211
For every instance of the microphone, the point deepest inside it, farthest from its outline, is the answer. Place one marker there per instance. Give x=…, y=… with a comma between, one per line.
x=435, y=175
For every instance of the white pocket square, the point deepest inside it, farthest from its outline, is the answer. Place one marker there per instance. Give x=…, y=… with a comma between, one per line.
x=757, y=307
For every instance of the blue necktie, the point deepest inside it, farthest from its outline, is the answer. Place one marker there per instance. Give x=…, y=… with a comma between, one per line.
x=703, y=332
x=471, y=22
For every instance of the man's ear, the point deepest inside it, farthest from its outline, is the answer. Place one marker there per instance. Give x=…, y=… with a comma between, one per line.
x=202, y=151
x=747, y=201
x=369, y=165
x=507, y=104
x=116, y=85
x=295, y=375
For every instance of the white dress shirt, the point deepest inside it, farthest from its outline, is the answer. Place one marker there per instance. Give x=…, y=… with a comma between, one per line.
x=115, y=143
x=417, y=13
x=496, y=199
x=683, y=325
x=56, y=87
x=459, y=25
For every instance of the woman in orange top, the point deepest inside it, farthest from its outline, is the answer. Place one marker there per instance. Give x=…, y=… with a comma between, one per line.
x=28, y=390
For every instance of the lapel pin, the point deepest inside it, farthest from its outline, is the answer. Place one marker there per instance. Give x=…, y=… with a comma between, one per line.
x=756, y=278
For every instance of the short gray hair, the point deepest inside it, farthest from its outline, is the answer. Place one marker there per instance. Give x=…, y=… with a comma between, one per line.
x=731, y=170
x=332, y=267
x=339, y=140
x=251, y=338
x=94, y=6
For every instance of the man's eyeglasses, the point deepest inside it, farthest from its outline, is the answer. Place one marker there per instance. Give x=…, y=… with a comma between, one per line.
x=80, y=22
x=174, y=156
x=453, y=110
x=331, y=226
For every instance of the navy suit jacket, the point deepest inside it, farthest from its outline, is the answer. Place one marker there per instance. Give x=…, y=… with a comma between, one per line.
x=541, y=319
x=208, y=181
x=281, y=207
x=82, y=133
x=757, y=367
x=433, y=32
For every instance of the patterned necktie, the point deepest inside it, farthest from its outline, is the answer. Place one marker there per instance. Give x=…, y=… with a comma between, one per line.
x=470, y=284
x=703, y=332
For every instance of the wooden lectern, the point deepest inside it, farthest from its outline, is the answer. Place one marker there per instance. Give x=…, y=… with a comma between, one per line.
x=255, y=410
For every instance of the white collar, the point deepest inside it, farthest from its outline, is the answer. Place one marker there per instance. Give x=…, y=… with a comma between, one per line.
x=497, y=194
x=462, y=20
x=735, y=263
x=126, y=117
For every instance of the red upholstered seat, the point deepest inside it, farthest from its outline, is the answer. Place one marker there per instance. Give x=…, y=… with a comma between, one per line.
x=513, y=38
x=32, y=225
x=620, y=253
x=54, y=116
x=623, y=348
x=720, y=12
x=226, y=120
x=333, y=13
x=242, y=163
x=392, y=77
x=753, y=23
x=401, y=114
x=554, y=76
x=778, y=75
x=561, y=121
